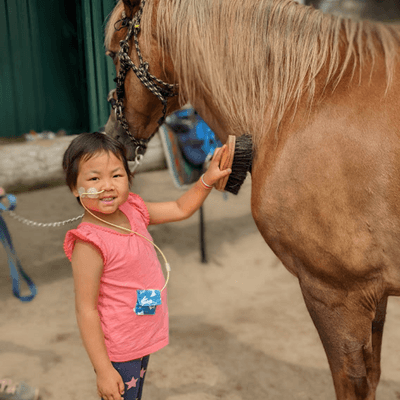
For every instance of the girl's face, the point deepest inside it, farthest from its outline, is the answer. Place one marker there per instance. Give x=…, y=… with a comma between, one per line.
x=104, y=171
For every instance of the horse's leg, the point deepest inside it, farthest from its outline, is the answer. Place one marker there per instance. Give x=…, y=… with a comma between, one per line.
x=377, y=332
x=344, y=320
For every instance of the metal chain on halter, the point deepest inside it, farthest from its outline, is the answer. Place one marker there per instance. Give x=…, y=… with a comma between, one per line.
x=43, y=224
x=162, y=90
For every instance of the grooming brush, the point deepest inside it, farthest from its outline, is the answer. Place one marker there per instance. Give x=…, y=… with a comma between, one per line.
x=238, y=157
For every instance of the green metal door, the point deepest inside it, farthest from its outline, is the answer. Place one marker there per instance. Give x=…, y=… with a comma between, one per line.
x=53, y=72
x=100, y=70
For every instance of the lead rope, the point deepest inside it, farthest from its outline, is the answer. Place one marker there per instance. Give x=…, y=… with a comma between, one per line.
x=42, y=224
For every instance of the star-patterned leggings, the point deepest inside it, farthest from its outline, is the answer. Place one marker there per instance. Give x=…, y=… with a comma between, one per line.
x=133, y=373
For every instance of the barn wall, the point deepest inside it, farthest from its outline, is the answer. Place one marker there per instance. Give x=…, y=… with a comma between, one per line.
x=54, y=74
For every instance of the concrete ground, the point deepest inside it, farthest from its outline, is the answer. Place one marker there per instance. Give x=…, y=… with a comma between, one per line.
x=239, y=326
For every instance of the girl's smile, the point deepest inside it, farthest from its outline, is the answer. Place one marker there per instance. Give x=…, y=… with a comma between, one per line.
x=108, y=200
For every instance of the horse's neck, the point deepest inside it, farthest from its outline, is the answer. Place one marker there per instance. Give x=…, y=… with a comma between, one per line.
x=325, y=85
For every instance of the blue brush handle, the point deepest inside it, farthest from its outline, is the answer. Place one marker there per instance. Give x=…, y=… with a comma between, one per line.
x=13, y=261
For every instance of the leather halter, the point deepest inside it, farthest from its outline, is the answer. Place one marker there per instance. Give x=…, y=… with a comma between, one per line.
x=162, y=90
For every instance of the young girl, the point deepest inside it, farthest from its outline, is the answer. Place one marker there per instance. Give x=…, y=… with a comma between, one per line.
x=110, y=262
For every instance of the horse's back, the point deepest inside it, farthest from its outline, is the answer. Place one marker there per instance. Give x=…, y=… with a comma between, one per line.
x=327, y=198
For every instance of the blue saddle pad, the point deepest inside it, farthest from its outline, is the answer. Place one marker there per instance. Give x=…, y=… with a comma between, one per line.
x=187, y=142
x=196, y=139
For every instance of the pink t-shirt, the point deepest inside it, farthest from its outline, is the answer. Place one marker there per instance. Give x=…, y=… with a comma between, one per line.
x=130, y=263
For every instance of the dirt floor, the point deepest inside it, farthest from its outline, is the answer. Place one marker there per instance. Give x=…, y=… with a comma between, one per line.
x=239, y=326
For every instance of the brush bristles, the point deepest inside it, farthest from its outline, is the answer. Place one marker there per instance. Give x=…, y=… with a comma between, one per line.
x=241, y=165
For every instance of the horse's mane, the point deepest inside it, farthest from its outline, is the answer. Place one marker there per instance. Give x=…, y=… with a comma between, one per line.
x=257, y=55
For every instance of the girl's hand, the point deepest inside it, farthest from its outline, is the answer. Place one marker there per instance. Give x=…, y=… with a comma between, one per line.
x=213, y=173
x=110, y=385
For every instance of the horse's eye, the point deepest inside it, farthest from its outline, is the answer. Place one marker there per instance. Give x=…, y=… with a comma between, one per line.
x=111, y=54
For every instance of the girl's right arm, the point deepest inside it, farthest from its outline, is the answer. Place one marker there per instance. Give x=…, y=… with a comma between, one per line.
x=87, y=267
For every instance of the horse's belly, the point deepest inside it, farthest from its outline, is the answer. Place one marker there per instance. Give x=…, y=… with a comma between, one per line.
x=328, y=205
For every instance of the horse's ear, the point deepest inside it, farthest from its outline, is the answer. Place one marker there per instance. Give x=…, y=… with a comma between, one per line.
x=129, y=6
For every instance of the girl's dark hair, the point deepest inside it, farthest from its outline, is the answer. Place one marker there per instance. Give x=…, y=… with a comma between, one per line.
x=84, y=147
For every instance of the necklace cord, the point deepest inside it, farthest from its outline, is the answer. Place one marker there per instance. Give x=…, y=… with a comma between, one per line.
x=167, y=266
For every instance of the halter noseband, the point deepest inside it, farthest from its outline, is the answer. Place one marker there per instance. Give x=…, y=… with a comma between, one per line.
x=159, y=88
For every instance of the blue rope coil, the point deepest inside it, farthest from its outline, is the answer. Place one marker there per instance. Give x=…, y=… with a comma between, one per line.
x=14, y=264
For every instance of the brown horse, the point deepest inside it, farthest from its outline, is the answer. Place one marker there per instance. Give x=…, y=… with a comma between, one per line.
x=319, y=94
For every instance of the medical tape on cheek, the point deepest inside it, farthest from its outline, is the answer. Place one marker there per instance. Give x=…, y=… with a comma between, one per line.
x=90, y=193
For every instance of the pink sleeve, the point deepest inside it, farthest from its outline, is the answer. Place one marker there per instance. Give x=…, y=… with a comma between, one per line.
x=138, y=203
x=85, y=235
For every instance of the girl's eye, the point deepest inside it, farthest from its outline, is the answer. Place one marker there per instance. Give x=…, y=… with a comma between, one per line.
x=117, y=176
x=93, y=179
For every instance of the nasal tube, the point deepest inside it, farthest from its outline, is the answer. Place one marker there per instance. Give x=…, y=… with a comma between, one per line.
x=91, y=193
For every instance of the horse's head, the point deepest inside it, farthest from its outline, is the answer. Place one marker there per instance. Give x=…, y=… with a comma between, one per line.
x=146, y=90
